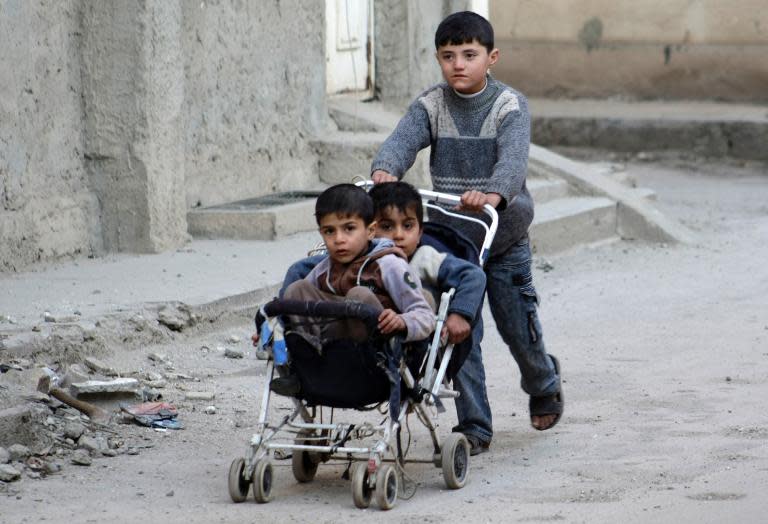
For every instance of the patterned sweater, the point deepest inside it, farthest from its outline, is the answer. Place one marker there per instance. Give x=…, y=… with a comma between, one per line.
x=477, y=143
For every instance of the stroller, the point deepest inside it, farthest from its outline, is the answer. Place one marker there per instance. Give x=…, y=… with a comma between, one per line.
x=347, y=374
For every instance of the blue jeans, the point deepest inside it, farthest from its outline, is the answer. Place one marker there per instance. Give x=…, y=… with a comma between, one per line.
x=472, y=409
x=513, y=301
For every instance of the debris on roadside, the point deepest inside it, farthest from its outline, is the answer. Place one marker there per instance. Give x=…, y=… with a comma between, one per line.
x=154, y=415
x=118, y=385
x=199, y=395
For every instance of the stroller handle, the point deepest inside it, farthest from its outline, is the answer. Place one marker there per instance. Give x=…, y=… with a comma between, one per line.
x=447, y=198
x=369, y=315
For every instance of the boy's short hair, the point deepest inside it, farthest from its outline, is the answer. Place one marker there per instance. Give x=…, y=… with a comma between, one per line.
x=400, y=195
x=344, y=200
x=463, y=28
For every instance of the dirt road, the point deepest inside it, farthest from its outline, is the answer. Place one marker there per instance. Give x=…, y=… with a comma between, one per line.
x=665, y=357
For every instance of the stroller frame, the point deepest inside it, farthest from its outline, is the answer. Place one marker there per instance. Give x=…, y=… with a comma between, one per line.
x=372, y=472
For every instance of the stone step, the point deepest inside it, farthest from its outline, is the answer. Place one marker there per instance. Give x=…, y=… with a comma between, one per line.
x=544, y=189
x=564, y=223
x=263, y=218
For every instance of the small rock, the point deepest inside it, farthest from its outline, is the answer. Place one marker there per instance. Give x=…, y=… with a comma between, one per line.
x=159, y=384
x=74, y=430
x=169, y=494
x=81, y=458
x=100, y=367
x=18, y=452
x=132, y=451
x=88, y=443
x=109, y=452
x=261, y=354
x=210, y=410
x=5, y=456
x=151, y=376
x=8, y=473
x=52, y=467
x=233, y=353
x=233, y=339
x=728, y=379
x=158, y=357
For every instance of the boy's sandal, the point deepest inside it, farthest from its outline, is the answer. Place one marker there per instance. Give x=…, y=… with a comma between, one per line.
x=548, y=404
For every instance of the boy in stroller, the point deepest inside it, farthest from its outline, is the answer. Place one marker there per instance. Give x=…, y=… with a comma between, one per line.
x=358, y=268
x=398, y=214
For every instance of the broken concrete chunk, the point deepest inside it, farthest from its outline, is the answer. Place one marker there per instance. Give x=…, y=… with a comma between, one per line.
x=176, y=317
x=18, y=452
x=8, y=473
x=5, y=456
x=74, y=373
x=199, y=395
x=118, y=385
x=100, y=367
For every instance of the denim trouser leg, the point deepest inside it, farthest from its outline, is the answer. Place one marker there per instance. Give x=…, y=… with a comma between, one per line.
x=513, y=301
x=472, y=409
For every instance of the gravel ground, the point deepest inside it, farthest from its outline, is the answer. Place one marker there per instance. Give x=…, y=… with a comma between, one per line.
x=664, y=352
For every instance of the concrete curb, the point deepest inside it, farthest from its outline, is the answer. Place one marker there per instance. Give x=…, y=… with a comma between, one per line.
x=636, y=218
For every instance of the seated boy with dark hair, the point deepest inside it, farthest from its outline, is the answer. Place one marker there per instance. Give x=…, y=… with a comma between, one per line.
x=358, y=267
x=399, y=216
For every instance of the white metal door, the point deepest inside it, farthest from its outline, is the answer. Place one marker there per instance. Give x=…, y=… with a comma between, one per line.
x=349, y=44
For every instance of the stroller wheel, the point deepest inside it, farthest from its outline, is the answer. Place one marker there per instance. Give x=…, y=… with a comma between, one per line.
x=304, y=463
x=386, y=486
x=262, y=480
x=238, y=484
x=361, y=491
x=455, y=460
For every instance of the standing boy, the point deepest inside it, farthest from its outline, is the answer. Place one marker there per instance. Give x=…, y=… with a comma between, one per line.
x=479, y=133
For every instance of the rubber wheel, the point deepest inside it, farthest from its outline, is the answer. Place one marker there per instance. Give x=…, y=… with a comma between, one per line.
x=386, y=486
x=304, y=463
x=238, y=484
x=262, y=481
x=455, y=460
x=361, y=491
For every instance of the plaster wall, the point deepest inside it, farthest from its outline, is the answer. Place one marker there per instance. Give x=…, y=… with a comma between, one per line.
x=705, y=49
x=255, y=93
x=46, y=207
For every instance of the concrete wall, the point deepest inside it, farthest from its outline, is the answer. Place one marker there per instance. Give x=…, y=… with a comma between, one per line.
x=704, y=49
x=255, y=93
x=46, y=207
x=117, y=116
x=405, y=46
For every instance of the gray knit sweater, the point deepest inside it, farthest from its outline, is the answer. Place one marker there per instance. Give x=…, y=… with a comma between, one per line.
x=477, y=143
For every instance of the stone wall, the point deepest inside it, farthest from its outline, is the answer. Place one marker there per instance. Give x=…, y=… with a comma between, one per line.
x=674, y=49
x=46, y=207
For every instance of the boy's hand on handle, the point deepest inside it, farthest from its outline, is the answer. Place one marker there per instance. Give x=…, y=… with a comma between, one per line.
x=380, y=176
x=390, y=322
x=475, y=200
x=255, y=339
x=456, y=328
